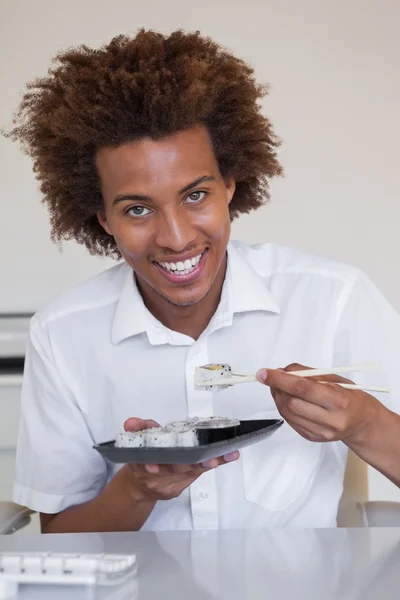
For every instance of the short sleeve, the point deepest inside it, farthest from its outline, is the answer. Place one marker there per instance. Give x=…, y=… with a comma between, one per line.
x=56, y=465
x=368, y=331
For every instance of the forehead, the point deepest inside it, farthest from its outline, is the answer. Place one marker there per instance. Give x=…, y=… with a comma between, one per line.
x=175, y=161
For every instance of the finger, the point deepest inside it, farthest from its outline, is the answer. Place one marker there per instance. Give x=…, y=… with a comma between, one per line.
x=320, y=433
x=301, y=387
x=153, y=469
x=209, y=464
x=296, y=407
x=140, y=469
x=215, y=462
x=313, y=418
x=164, y=470
x=306, y=434
x=183, y=468
x=178, y=469
x=296, y=367
x=136, y=424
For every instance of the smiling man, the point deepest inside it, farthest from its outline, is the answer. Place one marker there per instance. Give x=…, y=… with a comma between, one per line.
x=146, y=149
x=166, y=204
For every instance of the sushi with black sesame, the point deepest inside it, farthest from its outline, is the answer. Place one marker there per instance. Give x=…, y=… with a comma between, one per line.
x=209, y=373
x=130, y=439
x=180, y=434
x=160, y=437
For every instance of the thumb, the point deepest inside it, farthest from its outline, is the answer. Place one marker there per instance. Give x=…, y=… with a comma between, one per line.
x=262, y=375
x=136, y=424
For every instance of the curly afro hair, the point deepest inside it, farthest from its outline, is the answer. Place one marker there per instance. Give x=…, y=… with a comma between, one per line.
x=150, y=86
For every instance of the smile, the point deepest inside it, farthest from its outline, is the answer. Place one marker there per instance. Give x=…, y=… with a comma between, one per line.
x=181, y=268
x=185, y=271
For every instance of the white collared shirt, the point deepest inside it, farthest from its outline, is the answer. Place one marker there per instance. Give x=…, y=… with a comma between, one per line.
x=97, y=356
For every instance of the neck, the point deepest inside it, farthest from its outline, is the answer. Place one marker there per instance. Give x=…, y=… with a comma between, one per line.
x=190, y=320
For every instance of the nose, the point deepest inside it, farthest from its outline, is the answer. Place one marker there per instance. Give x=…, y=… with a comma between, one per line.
x=174, y=231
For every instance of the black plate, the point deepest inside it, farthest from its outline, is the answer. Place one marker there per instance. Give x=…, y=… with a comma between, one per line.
x=249, y=432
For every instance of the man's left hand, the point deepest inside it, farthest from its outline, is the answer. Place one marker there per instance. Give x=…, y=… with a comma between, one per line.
x=321, y=412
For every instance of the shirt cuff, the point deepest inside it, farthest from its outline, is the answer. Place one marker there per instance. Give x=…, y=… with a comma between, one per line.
x=49, y=503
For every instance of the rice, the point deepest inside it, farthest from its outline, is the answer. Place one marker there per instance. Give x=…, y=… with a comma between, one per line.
x=130, y=439
x=187, y=437
x=210, y=372
x=178, y=425
x=159, y=437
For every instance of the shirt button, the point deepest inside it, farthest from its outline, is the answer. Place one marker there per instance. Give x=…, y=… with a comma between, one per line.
x=202, y=496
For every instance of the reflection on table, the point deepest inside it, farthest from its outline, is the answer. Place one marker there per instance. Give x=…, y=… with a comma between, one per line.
x=335, y=564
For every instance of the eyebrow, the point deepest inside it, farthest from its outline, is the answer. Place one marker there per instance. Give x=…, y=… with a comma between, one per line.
x=187, y=188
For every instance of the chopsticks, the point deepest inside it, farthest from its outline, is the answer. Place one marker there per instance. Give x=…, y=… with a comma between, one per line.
x=245, y=378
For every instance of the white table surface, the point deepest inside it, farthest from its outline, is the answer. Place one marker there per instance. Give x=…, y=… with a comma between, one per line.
x=334, y=564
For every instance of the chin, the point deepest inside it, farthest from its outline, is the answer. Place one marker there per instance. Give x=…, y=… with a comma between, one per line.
x=185, y=299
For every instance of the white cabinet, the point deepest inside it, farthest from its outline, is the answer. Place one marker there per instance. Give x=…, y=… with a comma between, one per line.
x=9, y=416
x=13, y=337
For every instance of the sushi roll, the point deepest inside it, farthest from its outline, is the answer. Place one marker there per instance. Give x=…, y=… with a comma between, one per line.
x=160, y=437
x=182, y=434
x=187, y=437
x=210, y=372
x=179, y=425
x=216, y=430
x=130, y=439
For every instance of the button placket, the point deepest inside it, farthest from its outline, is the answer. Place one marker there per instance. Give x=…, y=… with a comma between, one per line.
x=203, y=491
x=203, y=497
x=199, y=402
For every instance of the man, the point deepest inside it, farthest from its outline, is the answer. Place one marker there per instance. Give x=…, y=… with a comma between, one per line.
x=146, y=150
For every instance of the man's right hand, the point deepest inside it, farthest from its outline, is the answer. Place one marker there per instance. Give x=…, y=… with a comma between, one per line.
x=129, y=498
x=164, y=482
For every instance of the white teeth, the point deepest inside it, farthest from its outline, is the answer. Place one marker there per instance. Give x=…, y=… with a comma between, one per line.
x=182, y=267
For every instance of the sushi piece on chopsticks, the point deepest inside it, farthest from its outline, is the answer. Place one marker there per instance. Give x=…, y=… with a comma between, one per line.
x=205, y=376
x=216, y=377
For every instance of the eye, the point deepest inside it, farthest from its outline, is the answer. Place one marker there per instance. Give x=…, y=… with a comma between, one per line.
x=195, y=197
x=138, y=211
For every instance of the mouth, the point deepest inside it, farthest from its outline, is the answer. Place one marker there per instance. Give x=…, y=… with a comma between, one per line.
x=183, y=271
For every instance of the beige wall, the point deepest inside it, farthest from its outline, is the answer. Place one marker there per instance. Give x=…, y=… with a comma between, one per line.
x=334, y=70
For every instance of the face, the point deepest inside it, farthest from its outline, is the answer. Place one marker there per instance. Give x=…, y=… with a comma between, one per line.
x=167, y=207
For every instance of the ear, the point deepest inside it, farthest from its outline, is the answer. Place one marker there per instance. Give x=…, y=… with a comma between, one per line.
x=230, y=185
x=101, y=216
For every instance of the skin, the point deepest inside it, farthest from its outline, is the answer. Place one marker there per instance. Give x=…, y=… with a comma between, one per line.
x=164, y=200
x=327, y=413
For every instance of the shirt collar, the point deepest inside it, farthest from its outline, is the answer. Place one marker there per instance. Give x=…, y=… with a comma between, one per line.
x=247, y=289
x=244, y=290
x=131, y=316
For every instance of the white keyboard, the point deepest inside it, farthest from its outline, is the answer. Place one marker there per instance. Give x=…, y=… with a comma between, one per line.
x=64, y=568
